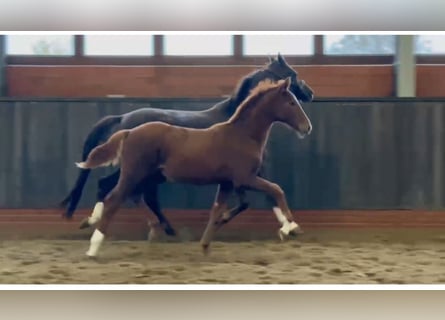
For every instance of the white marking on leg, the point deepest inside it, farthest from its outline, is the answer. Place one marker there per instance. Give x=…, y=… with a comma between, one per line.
x=280, y=216
x=152, y=230
x=81, y=165
x=97, y=213
x=96, y=240
x=286, y=226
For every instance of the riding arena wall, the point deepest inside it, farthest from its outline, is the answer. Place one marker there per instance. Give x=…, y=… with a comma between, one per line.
x=370, y=162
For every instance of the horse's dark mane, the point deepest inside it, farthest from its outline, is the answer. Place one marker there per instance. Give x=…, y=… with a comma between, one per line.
x=275, y=66
x=244, y=87
x=252, y=98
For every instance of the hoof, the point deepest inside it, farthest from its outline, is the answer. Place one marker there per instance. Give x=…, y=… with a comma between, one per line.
x=206, y=249
x=296, y=230
x=66, y=217
x=244, y=206
x=291, y=229
x=90, y=256
x=170, y=231
x=84, y=224
x=283, y=236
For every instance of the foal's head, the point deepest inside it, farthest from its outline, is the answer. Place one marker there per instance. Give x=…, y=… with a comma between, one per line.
x=283, y=106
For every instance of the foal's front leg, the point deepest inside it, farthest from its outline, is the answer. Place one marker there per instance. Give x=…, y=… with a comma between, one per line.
x=282, y=211
x=219, y=206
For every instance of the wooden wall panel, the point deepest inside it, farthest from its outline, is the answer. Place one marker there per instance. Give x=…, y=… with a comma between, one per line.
x=430, y=81
x=185, y=81
x=130, y=224
x=362, y=154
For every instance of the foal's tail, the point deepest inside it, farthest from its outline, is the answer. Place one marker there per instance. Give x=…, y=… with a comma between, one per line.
x=99, y=133
x=107, y=153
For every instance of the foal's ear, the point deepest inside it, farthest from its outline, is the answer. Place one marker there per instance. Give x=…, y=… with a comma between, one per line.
x=271, y=59
x=286, y=84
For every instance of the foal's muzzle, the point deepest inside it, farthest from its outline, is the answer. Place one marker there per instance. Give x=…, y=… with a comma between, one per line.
x=304, y=130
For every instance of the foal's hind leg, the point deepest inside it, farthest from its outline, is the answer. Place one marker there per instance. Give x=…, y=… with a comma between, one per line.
x=282, y=211
x=232, y=213
x=111, y=205
x=104, y=186
x=219, y=206
x=112, y=202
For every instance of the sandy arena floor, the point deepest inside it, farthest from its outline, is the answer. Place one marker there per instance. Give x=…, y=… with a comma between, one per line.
x=317, y=257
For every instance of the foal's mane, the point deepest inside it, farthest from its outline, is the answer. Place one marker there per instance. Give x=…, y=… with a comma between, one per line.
x=254, y=95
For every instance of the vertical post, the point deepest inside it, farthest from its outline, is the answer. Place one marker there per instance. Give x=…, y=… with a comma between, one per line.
x=318, y=45
x=158, y=42
x=79, y=45
x=438, y=157
x=3, y=88
x=405, y=66
x=238, y=46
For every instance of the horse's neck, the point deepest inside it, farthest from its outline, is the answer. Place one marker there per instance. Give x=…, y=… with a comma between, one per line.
x=255, y=126
x=222, y=110
x=228, y=107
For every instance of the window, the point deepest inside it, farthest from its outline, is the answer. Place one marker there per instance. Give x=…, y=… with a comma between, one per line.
x=113, y=45
x=272, y=44
x=359, y=44
x=198, y=45
x=429, y=44
x=211, y=49
x=43, y=45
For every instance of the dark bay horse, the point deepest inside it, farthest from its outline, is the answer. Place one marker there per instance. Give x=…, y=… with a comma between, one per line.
x=229, y=154
x=276, y=69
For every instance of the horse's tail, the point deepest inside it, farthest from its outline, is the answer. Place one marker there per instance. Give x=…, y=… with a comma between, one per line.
x=107, y=153
x=99, y=133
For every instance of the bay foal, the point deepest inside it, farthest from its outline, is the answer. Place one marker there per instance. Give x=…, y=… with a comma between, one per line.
x=228, y=154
